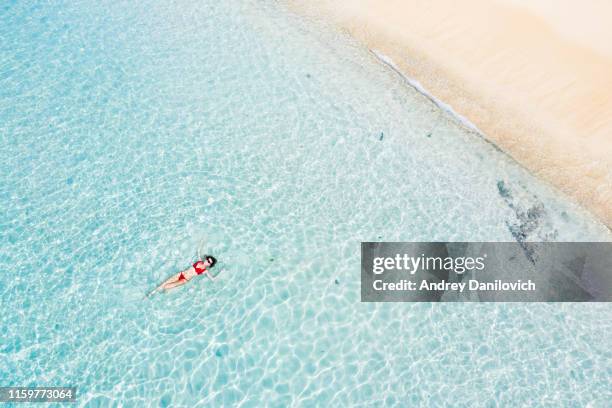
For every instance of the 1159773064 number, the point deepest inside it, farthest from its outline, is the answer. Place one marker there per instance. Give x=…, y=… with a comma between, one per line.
x=37, y=394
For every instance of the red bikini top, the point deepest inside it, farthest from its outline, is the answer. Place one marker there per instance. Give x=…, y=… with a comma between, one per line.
x=199, y=270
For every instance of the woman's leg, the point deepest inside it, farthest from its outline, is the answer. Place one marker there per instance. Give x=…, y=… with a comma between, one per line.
x=172, y=285
x=170, y=280
x=173, y=278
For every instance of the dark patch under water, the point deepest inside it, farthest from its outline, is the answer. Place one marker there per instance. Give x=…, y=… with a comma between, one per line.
x=222, y=351
x=528, y=220
x=503, y=191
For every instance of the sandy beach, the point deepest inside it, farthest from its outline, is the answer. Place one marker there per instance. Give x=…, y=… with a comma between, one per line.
x=534, y=76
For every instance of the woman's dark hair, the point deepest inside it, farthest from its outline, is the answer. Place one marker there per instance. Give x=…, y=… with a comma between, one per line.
x=211, y=260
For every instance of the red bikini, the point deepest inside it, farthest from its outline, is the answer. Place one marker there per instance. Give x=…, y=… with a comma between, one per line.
x=199, y=270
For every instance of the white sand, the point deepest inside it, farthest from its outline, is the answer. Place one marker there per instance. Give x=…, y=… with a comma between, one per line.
x=534, y=75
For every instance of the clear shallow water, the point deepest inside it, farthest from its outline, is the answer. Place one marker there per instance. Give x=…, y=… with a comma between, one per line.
x=105, y=110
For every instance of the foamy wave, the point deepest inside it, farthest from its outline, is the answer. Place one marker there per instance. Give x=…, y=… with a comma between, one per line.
x=417, y=85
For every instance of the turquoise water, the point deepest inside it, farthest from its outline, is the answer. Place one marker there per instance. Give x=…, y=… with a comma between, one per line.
x=132, y=131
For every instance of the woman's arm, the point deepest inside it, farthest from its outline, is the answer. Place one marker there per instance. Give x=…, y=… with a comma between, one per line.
x=212, y=278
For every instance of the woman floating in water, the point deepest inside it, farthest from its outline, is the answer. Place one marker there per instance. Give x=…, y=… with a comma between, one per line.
x=181, y=278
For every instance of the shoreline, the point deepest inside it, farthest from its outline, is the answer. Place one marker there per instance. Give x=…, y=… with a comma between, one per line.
x=506, y=71
x=419, y=88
